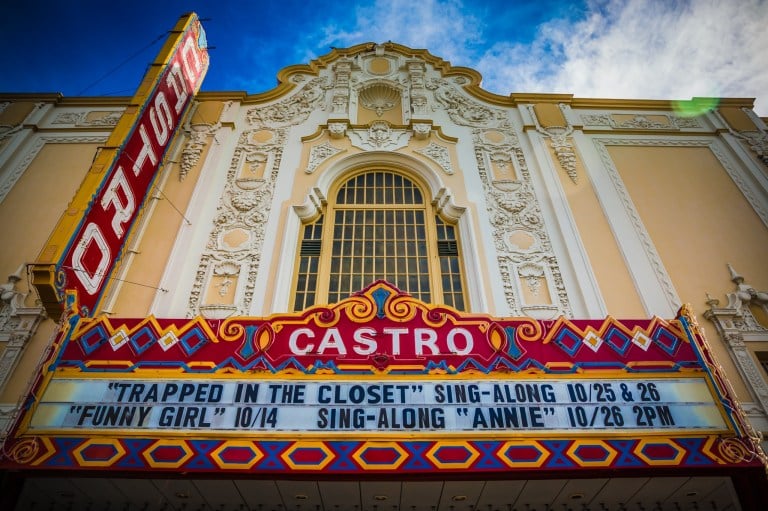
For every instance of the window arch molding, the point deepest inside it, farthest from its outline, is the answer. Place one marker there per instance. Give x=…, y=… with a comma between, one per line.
x=437, y=193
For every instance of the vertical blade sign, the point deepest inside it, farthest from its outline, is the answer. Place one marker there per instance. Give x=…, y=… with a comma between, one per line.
x=91, y=253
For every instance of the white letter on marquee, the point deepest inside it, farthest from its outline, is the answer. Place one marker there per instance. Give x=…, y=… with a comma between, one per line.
x=425, y=337
x=332, y=339
x=166, y=120
x=123, y=213
x=294, y=337
x=366, y=345
x=468, y=341
x=91, y=282
x=176, y=82
x=395, y=333
x=146, y=152
x=186, y=50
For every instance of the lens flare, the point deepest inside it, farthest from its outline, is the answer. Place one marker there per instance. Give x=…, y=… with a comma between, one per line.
x=695, y=106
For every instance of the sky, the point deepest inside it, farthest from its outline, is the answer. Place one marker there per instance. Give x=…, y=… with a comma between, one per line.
x=620, y=49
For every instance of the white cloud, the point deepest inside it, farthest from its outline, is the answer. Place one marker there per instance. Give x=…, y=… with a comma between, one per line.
x=642, y=49
x=445, y=28
x=654, y=49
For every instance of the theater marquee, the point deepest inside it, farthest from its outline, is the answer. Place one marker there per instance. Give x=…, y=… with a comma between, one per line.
x=380, y=382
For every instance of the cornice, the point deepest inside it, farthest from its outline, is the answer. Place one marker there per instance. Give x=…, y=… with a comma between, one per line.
x=61, y=100
x=235, y=95
x=95, y=101
x=654, y=104
x=518, y=98
x=49, y=97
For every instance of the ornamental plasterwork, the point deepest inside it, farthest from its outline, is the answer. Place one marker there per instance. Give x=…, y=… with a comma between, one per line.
x=737, y=326
x=7, y=131
x=18, y=323
x=514, y=213
x=419, y=99
x=757, y=141
x=340, y=96
x=641, y=122
x=379, y=97
x=8, y=179
x=559, y=137
x=110, y=118
x=337, y=129
x=237, y=237
x=198, y=137
x=533, y=275
x=242, y=213
x=318, y=154
x=460, y=108
x=421, y=130
x=379, y=136
x=291, y=110
x=439, y=155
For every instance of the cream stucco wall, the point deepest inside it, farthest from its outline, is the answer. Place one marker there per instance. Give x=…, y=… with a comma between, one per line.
x=698, y=221
x=33, y=206
x=610, y=268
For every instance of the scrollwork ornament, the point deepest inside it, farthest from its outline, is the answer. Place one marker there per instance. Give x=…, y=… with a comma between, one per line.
x=291, y=110
x=318, y=154
x=735, y=450
x=735, y=340
x=462, y=109
x=25, y=451
x=337, y=129
x=438, y=154
x=757, y=142
x=516, y=209
x=241, y=207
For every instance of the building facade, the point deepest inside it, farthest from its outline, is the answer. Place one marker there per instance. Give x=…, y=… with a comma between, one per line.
x=384, y=163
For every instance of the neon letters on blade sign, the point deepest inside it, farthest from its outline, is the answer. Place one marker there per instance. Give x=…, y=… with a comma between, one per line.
x=92, y=253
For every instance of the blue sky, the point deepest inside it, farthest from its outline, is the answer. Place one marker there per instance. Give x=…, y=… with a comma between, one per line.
x=655, y=49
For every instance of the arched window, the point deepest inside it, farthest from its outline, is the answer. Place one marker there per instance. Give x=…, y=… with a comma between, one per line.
x=379, y=225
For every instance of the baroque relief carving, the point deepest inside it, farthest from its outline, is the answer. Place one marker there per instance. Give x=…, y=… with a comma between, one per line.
x=419, y=100
x=318, y=154
x=340, y=98
x=243, y=208
x=737, y=326
x=757, y=141
x=461, y=109
x=439, y=155
x=421, y=130
x=559, y=137
x=18, y=323
x=198, y=136
x=512, y=206
x=379, y=136
x=91, y=118
x=379, y=97
x=291, y=110
x=641, y=122
x=246, y=202
x=337, y=129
